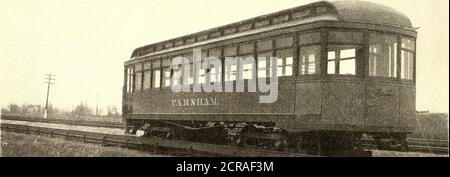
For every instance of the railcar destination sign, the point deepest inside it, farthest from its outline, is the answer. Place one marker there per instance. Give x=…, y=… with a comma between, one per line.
x=211, y=101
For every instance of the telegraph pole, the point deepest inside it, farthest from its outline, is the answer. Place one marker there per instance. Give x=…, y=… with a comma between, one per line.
x=48, y=82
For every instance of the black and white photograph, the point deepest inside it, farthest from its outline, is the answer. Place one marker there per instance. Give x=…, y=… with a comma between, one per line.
x=224, y=78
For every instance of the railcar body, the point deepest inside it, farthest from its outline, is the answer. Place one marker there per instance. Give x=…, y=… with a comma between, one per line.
x=344, y=68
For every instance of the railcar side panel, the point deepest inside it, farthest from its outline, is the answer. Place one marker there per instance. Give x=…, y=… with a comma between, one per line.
x=382, y=104
x=343, y=103
x=308, y=103
x=407, y=107
x=150, y=104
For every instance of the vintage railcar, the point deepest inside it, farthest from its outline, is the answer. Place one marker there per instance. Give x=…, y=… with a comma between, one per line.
x=345, y=70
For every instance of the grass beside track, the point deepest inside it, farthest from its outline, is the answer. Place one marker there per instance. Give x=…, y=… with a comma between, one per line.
x=25, y=145
x=382, y=153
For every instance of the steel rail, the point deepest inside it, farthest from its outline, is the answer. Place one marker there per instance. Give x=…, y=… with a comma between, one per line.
x=155, y=145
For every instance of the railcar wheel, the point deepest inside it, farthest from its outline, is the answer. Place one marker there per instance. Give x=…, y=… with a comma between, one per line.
x=239, y=141
x=280, y=145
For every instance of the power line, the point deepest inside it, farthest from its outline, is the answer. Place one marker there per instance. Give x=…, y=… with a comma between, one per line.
x=49, y=81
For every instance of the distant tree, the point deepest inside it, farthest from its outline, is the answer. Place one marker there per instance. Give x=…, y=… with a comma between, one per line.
x=14, y=109
x=82, y=111
x=112, y=111
x=52, y=111
x=5, y=111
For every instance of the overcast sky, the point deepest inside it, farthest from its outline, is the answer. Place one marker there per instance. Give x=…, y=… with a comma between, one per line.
x=85, y=42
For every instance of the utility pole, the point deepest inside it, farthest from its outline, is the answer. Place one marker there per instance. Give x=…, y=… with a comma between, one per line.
x=48, y=82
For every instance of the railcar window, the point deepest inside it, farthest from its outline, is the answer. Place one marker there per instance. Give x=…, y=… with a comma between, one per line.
x=345, y=37
x=301, y=14
x=191, y=75
x=407, y=65
x=166, y=72
x=280, y=19
x=229, y=31
x=156, y=70
x=382, y=56
x=177, y=73
x=216, y=34
x=247, y=71
x=230, y=74
x=169, y=45
x=264, y=45
x=202, y=37
x=309, y=60
x=262, y=23
x=407, y=58
x=202, y=72
x=157, y=78
x=230, y=51
x=138, y=81
x=343, y=59
x=138, y=67
x=246, y=48
x=156, y=64
x=129, y=77
x=178, y=43
x=147, y=66
x=284, y=62
x=283, y=42
x=263, y=64
x=245, y=27
x=147, y=80
x=215, y=73
x=166, y=77
x=309, y=38
x=408, y=43
x=138, y=77
x=190, y=40
x=320, y=10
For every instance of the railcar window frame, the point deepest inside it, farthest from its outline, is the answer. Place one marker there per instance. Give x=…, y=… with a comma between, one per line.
x=283, y=65
x=233, y=76
x=337, y=59
x=138, y=77
x=165, y=68
x=130, y=78
x=217, y=71
x=246, y=49
x=156, y=71
x=147, y=71
x=202, y=72
x=346, y=40
x=303, y=69
x=309, y=39
x=264, y=46
x=412, y=53
x=394, y=61
x=315, y=39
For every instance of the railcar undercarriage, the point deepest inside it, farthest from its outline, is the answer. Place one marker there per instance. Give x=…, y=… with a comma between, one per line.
x=266, y=135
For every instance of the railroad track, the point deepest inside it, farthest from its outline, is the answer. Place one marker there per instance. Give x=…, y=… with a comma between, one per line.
x=179, y=148
x=414, y=144
x=428, y=145
x=66, y=121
